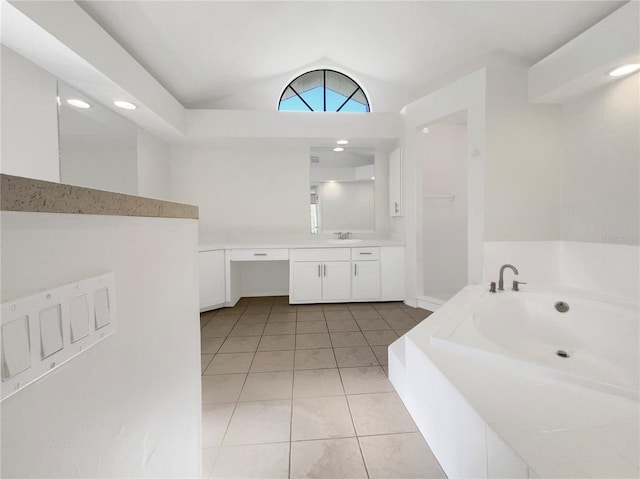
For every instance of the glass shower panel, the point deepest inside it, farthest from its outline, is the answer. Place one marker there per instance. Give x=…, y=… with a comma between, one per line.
x=444, y=209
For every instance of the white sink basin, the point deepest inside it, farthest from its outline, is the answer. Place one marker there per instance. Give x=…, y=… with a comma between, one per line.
x=344, y=241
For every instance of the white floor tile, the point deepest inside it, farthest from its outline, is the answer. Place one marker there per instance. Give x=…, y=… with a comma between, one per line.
x=327, y=458
x=355, y=357
x=399, y=456
x=230, y=363
x=210, y=345
x=380, y=413
x=222, y=388
x=259, y=422
x=280, y=328
x=240, y=344
x=281, y=342
x=370, y=379
x=317, y=383
x=342, y=325
x=215, y=419
x=205, y=359
x=265, y=386
x=321, y=418
x=268, y=361
x=262, y=461
x=313, y=341
x=314, y=359
x=310, y=313
x=247, y=330
x=208, y=460
x=311, y=327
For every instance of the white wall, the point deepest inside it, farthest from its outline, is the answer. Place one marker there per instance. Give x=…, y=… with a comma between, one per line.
x=129, y=406
x=29, y=119
x=600, y=171
x=610, y=269
x=347, y=206
x=105, y=163
x=244, y=187
x=444, y=223
x=154, y=167
x=523, y=160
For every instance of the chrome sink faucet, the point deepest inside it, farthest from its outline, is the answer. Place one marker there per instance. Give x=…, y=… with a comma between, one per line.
x=343, y=236
x=501, y=280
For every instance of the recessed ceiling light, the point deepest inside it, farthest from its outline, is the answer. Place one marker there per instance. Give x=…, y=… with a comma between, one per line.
x=625, y=70
x=342, y=142
x=78, y=103
x=425, y=130
x=125, y=105
x=338, y=148
x=373, y=177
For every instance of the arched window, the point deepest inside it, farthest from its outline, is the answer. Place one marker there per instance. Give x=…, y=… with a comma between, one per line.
x=323, y=90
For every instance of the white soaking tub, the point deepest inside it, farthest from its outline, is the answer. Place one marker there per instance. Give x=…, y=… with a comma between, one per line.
x=592, y=342
x=505, y=385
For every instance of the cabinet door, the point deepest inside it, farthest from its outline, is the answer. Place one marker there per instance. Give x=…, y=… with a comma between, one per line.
x=392, y=273
x=366, y=280
x=395, y=182
x=336, y=281
x=212, y=279
x=307, y=281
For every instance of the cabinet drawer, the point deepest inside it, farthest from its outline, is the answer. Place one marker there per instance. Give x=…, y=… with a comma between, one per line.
x=365, y=254
x=321, y=254
x=266, y=254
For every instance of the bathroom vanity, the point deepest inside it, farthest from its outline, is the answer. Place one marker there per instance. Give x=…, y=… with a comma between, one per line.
x=318, y=272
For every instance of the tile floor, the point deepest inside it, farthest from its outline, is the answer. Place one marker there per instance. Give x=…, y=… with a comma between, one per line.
x=302, y=391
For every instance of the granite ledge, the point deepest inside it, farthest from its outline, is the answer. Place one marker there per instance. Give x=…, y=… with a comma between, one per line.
x=38, y=196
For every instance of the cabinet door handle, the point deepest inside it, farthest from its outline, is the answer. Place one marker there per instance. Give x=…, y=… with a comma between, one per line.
x=319, y=273
x=355, y=270
x=259, y=254
x=397, y=207
x=366, y=253
x=325, y=270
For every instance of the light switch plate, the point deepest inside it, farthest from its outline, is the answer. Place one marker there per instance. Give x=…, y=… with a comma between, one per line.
x=79, y=317
x=44, y=330
x=101, y=308
x=50, y=331
x=16, y=347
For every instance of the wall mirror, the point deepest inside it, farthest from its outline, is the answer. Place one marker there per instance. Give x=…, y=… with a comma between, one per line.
x=342, y=194
x=97, y=147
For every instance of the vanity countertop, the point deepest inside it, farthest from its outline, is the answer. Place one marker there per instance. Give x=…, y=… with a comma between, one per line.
x=27, y=195
x=255, y=242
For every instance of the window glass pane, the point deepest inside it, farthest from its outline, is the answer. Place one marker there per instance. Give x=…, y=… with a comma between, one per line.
x=334, y=100
x=314, y=98
x=307, y=82
x=293, y=103
x=354, y=106
x=360, y=98
x=340, y=84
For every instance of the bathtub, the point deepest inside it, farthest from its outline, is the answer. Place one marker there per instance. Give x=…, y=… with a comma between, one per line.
x=594, y=343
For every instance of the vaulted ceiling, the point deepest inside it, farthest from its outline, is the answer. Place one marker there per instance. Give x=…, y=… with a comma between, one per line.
x=241, y=54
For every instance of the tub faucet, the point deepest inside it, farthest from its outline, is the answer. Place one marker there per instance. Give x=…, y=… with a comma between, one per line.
x=501, y=280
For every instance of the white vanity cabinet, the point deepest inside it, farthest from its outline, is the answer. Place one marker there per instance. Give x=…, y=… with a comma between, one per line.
x=366, y=273
x=211, y=269
x=346, y=274
x=321, y=274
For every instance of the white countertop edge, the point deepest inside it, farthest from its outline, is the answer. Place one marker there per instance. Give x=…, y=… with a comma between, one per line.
x=295, y=244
